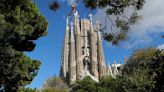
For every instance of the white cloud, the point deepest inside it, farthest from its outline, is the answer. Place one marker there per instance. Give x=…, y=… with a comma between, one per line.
x=152, y=22
x=153, y=18
x=160, y=47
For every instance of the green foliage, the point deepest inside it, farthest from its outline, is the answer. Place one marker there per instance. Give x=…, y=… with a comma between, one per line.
x=17, y=70
x=106, y=84
x=109, y=84
x=85, y=85
x=26, y=90
x=54, y=6
x=143, y=71
x=55, y=84
x=20, y=24
x=54, y=90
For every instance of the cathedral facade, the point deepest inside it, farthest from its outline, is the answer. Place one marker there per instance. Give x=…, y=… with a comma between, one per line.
x=82, y=53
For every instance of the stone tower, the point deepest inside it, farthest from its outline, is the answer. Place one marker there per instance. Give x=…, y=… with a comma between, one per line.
x=82, y=53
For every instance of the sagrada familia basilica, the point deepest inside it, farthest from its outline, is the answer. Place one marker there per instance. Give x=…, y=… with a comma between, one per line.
x=82, y=53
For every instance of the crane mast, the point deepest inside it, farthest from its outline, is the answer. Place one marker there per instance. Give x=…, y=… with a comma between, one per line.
x=74, y=4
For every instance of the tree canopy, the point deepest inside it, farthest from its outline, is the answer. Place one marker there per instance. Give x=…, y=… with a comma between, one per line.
x=106, y=84
x=20, y=24
x=17, y=70
x=144, y=71
x=85, y=85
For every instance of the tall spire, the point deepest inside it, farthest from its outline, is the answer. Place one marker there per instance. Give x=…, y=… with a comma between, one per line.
x=78, y=46
x=93, y=49
x=65, y=54
x=101, y=58
x=72, y=58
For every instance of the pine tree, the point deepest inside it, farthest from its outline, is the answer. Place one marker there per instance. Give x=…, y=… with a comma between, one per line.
x=20, y=24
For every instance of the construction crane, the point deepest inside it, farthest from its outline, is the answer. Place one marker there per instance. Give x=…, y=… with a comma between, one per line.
x=74, y=4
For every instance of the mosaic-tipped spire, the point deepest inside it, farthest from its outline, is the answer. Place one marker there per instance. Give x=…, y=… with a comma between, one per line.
x=77, y=25
x=98, y=30
x=91, y=24
x=99, y=36
x=72, y=34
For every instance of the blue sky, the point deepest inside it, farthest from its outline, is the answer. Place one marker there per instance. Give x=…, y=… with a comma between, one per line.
x=48, y=49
